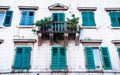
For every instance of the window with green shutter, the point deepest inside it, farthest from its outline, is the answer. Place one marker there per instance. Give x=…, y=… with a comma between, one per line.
x=58, y=60
x=115, y=19
x=106, y=58
x=27, y=18
x=22, y=58
x=88, y=19
x=8, y=18
x=59, y=18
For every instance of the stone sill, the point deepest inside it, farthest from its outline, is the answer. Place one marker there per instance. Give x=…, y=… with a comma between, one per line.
x=90, y=41
x=89, y=27
x=63, y=71
x=24, y=40
x=2, y=26
x=25, y=26
x=115, y=28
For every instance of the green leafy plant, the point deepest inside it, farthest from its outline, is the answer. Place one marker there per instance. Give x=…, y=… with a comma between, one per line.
x=33, y=30
x=43, y=22
x=72, y=23
x=58, y=38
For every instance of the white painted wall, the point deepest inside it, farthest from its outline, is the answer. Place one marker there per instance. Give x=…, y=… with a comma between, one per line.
x=41, y=56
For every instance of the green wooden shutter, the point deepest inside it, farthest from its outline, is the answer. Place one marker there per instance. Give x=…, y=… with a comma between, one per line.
x=114, y=19
x=85, y=19
x=106, y=58
x=26, y=57
x=91, y=19
x=18, y=58
x=90, y=64
x=118, y=51
x=54, y=17
x=55, y=59
x=8, y=18
x=61, y=16
x=118, y=14
x=30, y=18
x=24, y=15
x=62, y=58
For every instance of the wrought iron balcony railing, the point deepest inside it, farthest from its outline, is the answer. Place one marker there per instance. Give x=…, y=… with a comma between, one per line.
x=58, y=27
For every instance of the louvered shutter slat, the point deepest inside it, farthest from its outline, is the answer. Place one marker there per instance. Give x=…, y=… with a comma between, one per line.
x=18, y=58
x=90, y=64
x=85, y=19
x=24, y=16
x=8, y=18
x=118, y=51
x=106, y=58
x=63, y=58
x=55, y=58
x=26, y=57
x=114, y=19
x=91, y=19
x=30, y=20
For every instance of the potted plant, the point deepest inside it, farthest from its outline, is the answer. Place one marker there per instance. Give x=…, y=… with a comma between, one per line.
x=72, y=23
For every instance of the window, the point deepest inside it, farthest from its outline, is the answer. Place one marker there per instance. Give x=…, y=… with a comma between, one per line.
x=93, y=58
x=58, y=58
x=22, y=58
x=88, y=19
x=59, y=18
x=115, y=19
x=27, y=18
x=6, y=18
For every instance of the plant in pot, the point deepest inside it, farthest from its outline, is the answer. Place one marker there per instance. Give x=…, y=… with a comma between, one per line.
x=72, y=22
x=43, y=24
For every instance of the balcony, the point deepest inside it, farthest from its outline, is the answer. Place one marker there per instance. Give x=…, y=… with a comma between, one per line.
x=58, y=31
x=58, y=27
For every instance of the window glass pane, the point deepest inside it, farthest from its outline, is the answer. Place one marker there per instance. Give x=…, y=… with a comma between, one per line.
x=1, y=17
x=31, y=14
x=96, y=58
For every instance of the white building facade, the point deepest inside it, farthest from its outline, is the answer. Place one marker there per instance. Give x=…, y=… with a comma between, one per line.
x=59, y=49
